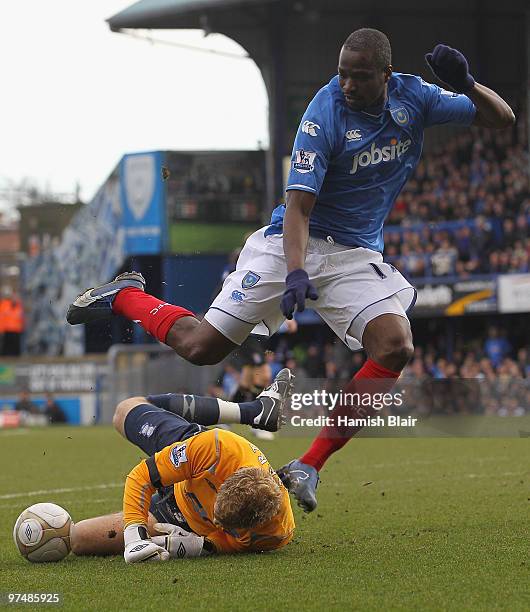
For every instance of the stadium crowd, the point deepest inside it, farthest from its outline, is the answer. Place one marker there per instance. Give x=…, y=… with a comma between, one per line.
x=488, y=374
x=465, y=211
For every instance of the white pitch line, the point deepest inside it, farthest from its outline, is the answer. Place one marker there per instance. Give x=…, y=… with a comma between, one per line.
x=110, y=485
x=69, y=503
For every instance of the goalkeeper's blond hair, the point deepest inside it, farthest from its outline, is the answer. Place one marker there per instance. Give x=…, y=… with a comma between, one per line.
x=248, y=498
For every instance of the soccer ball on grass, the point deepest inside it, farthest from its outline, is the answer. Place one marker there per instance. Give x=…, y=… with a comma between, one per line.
x=42, y=533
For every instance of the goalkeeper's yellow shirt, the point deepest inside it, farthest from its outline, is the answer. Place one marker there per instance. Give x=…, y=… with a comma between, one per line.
x=197, y=467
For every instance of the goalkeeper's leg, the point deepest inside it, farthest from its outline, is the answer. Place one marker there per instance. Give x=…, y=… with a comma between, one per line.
x=161, y=416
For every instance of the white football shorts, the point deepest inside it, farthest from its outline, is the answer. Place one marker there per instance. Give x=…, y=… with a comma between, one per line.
x=354, y=286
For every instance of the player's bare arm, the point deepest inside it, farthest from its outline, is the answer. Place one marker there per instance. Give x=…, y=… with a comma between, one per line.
x=492, y=110
x=299, y=205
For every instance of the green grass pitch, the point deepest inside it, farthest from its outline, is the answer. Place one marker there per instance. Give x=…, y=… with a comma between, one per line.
x=402, y=524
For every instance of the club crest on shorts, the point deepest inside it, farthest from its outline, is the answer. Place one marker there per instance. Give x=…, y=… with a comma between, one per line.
x=400, y=115
x=250, y=279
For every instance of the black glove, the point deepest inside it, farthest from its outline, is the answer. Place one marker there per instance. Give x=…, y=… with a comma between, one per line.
x=299, y=288
x=450, y=66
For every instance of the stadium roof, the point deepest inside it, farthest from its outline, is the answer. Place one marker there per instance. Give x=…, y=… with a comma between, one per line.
x=166, y=14
x=159, y=14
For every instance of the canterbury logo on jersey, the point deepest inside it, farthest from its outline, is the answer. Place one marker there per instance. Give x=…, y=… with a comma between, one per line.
x=353, y=135
x=375, y=155
x=309, y=127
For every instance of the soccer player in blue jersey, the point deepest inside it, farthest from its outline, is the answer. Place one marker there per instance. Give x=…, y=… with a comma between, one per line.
x=358, y=143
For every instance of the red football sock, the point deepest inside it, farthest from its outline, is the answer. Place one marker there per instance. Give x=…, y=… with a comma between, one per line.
x=371, y=378
x=154, y=315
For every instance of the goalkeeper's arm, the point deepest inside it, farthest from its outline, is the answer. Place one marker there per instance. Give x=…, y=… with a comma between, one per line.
x=140, y=485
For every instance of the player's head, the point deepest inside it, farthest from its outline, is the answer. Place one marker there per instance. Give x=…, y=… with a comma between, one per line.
x=365, y=65
x=248, y=498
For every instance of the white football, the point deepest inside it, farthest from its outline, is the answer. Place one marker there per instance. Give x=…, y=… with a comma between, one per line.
x=42, y=533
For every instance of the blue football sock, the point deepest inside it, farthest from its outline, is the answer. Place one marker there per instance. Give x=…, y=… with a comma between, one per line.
x=249, y=411
x=207, y=410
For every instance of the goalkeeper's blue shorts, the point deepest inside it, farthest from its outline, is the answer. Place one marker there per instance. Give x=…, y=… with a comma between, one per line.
x=152, y=429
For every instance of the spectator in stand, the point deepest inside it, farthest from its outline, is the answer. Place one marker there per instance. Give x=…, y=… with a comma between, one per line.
x=478, y=173
x=303, y=382
x=520, y=258
x=53, y=411
x=2, y=331
x=523, y=361
x=496, y=347
x=25, y=404
x=481, y=240
x=509, y=235
x=444, y=259
x=274, y=362
x=227, y=382
x=521, y=227
x=511, y=407
x=313, y=363
x=11, y=322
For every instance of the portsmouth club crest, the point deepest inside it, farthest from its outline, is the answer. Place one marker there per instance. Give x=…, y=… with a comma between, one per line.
x=139, y=178
x=250, y=279
x=400, y=115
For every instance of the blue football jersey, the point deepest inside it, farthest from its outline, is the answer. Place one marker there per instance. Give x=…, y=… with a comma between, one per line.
x=356, y=163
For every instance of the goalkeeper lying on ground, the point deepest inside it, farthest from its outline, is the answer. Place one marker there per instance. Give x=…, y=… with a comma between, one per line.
x=200, y=491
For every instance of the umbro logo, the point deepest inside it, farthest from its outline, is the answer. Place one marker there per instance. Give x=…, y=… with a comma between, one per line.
x=353, y=135
x=181, y=551
x=308, y=127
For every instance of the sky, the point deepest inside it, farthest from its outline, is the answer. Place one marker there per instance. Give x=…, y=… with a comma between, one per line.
x=76, y=97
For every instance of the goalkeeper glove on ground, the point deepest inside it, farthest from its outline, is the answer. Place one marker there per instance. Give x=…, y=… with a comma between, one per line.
x=140, y=547
x=178, y=542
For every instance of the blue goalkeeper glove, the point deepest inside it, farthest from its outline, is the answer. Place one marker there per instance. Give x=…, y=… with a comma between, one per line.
x=299, y=287
x=450, y=66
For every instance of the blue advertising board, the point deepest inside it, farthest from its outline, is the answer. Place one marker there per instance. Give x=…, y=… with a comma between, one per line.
x=142, y=196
